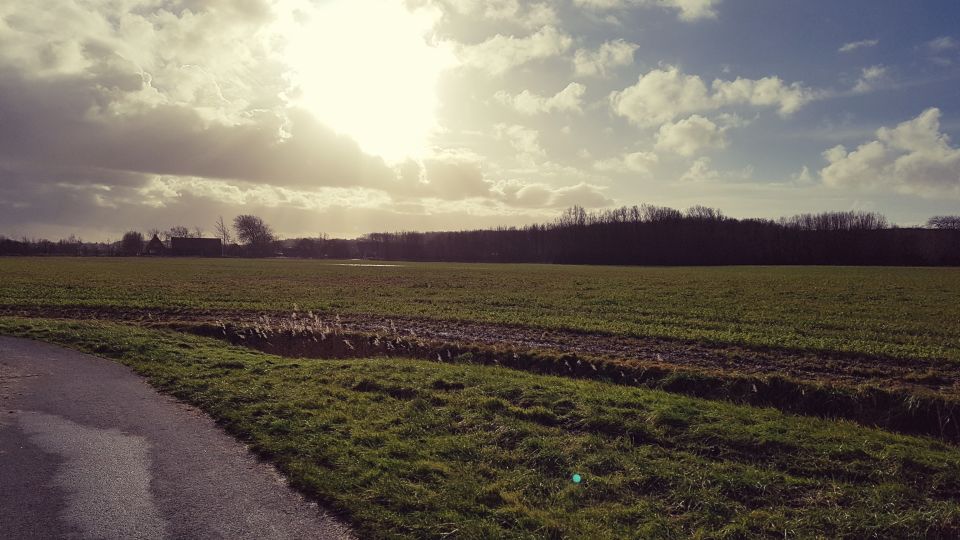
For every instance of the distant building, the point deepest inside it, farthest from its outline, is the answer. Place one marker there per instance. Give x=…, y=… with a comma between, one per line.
x=196, y=247
x=154, y=247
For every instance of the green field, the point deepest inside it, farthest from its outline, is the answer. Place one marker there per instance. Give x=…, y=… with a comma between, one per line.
x=443, y=447
x=895, y=312
x=414, y=449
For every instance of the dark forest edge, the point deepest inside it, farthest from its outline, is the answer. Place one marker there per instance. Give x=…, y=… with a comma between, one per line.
x=637, y=235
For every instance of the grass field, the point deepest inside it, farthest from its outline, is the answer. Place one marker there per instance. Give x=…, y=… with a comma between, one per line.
x=896, y=312
x=443, y=447
x=406, y=448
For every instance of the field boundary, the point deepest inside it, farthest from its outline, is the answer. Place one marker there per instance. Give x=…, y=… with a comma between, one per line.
x=914, y=413
x=811, y=366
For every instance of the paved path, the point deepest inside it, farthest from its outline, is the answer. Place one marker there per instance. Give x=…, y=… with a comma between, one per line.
x=89, y=450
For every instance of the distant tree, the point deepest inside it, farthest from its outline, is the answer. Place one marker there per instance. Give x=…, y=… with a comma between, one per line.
x=131, y=244
x=177, y=231
x=944, y=222
x=223, y=232
x=704, y=213
x=652, y=214
x=255, y=233
x=197, y=232
x=575, y=216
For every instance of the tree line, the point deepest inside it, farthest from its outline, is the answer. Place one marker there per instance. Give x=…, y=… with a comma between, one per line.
x=637, y=235
x=654, y=235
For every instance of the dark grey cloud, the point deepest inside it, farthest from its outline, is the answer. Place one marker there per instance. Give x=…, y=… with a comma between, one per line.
x=129, y=113
x=51, y=122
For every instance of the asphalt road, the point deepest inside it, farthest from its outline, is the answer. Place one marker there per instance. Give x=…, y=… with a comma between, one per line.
x=89, y=450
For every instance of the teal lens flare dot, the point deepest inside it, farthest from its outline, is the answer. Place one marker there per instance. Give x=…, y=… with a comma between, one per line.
x=576, y=478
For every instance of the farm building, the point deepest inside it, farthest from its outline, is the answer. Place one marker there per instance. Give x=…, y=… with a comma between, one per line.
x=154, y=247
x=196, y=247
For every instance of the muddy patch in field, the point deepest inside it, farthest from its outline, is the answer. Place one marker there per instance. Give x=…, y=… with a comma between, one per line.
x=896, y=409
x=368, y=265
x=911, y=376
x=908, y=395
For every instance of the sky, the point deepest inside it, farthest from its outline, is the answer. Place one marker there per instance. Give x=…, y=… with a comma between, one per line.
x=344, y=117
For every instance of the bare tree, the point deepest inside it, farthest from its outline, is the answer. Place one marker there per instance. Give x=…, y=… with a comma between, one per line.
x=197, y=232
x=704, y=213
x=944, y=222
x=223, y=232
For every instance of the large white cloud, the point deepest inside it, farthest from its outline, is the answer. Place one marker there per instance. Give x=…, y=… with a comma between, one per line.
x=914, y=157
x=690, y=135
x=138, y=55
x=664, y=94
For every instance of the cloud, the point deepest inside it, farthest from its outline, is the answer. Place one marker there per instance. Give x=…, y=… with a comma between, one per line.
x=69, y=122
x=600, y=4
x=582, y=194
x=446, y=177
x=635, y=162
x=914, y=157
x=525, y=141
x=599, y=62
x=151, y=90
x=869, y=78
x=143, y=55
x=663, y=94
x=524, y=14
x=702, y=171
x=567, y=100
x=123, y=110
x=854, y=45
x=804, y=178
x=940, y=49
x=689, y=136
x=942, y=44
x=688, y=10
x=163, y=191
x=539, y=195
x=501, y=53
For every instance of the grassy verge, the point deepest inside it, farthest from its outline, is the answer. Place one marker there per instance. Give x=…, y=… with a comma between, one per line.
x=907, y=410
x=408, y=448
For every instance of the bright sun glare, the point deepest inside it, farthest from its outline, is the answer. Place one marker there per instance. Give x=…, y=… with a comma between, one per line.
x=367, y=69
